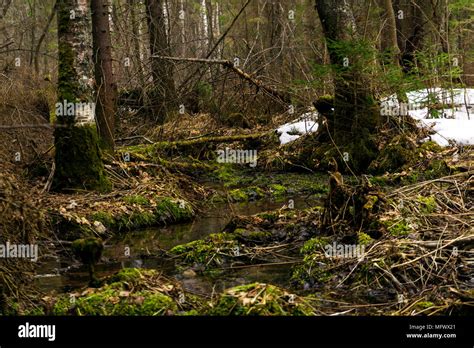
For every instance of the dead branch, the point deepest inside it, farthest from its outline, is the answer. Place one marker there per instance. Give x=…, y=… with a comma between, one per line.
x=229, y=65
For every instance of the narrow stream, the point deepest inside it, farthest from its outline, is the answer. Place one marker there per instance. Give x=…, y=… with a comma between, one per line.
x=63, y=274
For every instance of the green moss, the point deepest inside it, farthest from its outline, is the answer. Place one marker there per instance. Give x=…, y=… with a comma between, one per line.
x=104, y=217
x=174, y=210
x=246, y=194
x=364, y=238
x=135, y=220
x=251, y=236
x=431, y=146
x=381, y=181
x=371, y=200
x=129, y=292
x=167, y=210
x=314, y=244
x=78, y=160
x=209, y=251
x=277, y=190
x=398, y=228
x=310, y=269
x=112, y=301
x=238, y=195
x=269, y=216
x=318, y=188
x=394, y=156
x=136, y=199
x=437, y=169
x=68, y=86
x=260, y=299
x=424, y=304
x=226, y=173
x=362, y=150
x=428, y=204
x=131, y=275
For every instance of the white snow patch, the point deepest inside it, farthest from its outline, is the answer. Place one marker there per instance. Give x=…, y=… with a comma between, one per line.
x=456, y=124
x=306, y=123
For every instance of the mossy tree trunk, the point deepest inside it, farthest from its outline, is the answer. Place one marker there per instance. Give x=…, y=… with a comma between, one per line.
x=163, y=94
x=353, y=123
x=78, y=161
x=105, y=82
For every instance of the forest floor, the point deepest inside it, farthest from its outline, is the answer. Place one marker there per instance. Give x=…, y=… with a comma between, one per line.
x=400, y=243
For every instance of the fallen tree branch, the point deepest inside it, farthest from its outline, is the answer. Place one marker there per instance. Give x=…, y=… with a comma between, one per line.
x=136, y=137
x=229, y=65
x=218, y=42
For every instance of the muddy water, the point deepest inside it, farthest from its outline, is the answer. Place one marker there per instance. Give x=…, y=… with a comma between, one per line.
x=62, y=274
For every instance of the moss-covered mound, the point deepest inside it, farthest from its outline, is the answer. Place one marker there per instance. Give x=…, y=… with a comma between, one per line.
x=132, y=212
x=211, y=252
x=260, y=299
x=202, y=147
x=129, y=292
x=244, y=236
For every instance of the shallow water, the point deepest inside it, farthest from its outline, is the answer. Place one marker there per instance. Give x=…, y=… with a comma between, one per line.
x=141, y=248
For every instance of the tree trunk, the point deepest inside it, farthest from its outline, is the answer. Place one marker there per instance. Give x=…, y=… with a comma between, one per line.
x=356, y=115
x=411, y=29
x=163, y=95
x=390, y=31
x=136, y=40
x=77, y=157
x=106, y=88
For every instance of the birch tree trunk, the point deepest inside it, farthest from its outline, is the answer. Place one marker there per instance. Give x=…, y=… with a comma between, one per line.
x=77, y=156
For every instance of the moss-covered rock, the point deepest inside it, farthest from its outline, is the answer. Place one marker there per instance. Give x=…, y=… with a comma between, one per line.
x=211, y=252
x=260, y=299
x=129, y=292
x=172, y=210
x=251, y=236
x=89, y=250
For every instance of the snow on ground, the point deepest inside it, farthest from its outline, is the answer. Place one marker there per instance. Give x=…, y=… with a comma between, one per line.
x=454, y=124
x=306, y=123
